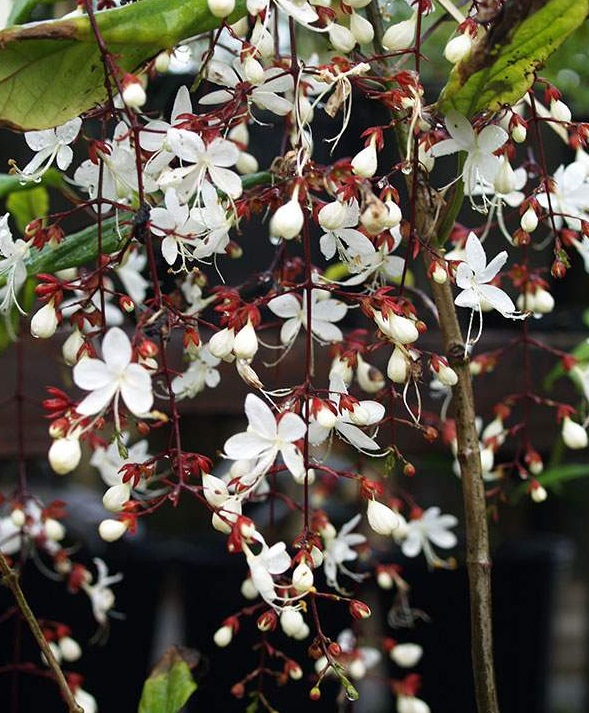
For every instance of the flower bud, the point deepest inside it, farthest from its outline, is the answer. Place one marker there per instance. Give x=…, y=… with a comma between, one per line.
x=505, y=179
x=406, y=655
x=361, y=29
x=133, y=93
x=519, y=133
x=398, y=367
x=44, y=322
x=410, y=704
x=357, y=669
x=302, y=577
x=375, y=217
x=369, y=377
x=399, y=329
x=221, y=343
x=384, y=579
x=487, y=459
x=162, y=62
x=341, y=38
x=116, y=496
x=381, y=518
x=253, y=70
x=245, y=344
x=447, y=376
x=69, y=648
x=560, y=110
x=538, y=492
x=221, y=8
x=72, y=346
x=291, y=621
x=359, y=415
x=365, y=162
x=54, y=530
x=401, y=35
x=214, y=490
x=267, y=621
x=246, y=163
x=248, y=589
x=458, y=48
x=543, y=301
x=223, y=636
x=529, y=220
x=240, y=134
x=65, y=454
x=86, y=701
x=18, y=517
x=326, y=417
x=112, y=530
x=573, y=434
x=288, y=220
x=359, y=610
x=332, y=215
x=395, y=216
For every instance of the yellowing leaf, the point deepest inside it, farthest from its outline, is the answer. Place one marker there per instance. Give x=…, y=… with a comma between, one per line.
x=503, y=65
x=53, y=71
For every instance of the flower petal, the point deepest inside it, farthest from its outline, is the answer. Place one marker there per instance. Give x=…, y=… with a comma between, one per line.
x=97, y=400
x=116, y=349
x=136, y=389
x=90, y=374
x=260, y=417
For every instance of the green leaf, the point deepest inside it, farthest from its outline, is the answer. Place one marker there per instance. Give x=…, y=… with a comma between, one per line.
x=53, y=71
x=502, y=67
x=171, y=683
x=581, y=354
x=13, y=183
x=23, y=9
x=25, y=206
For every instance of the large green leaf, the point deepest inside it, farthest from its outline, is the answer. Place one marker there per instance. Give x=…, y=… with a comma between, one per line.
x=13, y=183
x=503, y=65
x=171, y=683
x=25, y=206
x=53, y=71
x=22, y=10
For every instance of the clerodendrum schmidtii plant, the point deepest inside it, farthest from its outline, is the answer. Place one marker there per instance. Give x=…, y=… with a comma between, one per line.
x=173, y=194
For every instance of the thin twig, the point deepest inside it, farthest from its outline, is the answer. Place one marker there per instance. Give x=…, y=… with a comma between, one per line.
x=10, y=579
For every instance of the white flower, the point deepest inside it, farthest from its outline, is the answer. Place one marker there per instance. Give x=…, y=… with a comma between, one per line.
x=101, y=595
x=573, y=434
x=338, y=549
x=129, y=273
x=411, y=704
x=324, y=312
x=342, y=233
x=381, y=518
x=113, y=377
x=472, y=277
x=108, y=461
x=51, y=145
x=217, y=223
x=430, y=527
x=178, y=225
x=480, y=165
x=201, y=372
x=265, y=439
x=570, y=196
x=268, y=562
x=293, y=624
x=365, y=413
x=406, y=655
x=12, y=264
x=86, y=701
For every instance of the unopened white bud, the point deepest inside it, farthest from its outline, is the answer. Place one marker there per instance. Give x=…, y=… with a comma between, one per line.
x=245, y=344
x=439, y=274
x=223, y=636
x=291, y=621
x=357, y=669
x=214, y=489
x=162, y=62
x=221, y=8
x=116, y=496
x=253, y=70
x=361, y=29
x=44, y=322
x=365, y=162
x=381, y=518
x=399, y=329
x=326, y=417
x=401, y=35
x=246, y=163
x=72, y=346
x=302, y=577
x=370, y=379
x=538, y=493
x=426, y=160
x=573, y=434
x=70, y=649
x=18, y=517
x=543, y=301
x=384, y=579
x=560, y=110
x=341, y=38
x=86, y=701
x=112, y=530
x=248, y=589
x=54, y=530
x=406, y=655
x=447, y=376
x=494, y=431
x=221, y=343
x=519, y=133
x=458, y=48
x=230, y=511
x=332, y=215
x=64, y=455
x=394, y=216
x=288, y=220
x=134, y=95
x=529, y=220
x=487, y=459
x=411, y=704
x=398, y=367
x=505, y=179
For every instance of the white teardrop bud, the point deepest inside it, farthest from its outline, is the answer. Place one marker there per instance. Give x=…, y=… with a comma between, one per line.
x=326, y=417
x=519, y=133
x=70, y=649
x=86, y=701
x=365, y=162
x=447, y=376
x=394, y=216
x=529, y=220
x=375, y=217
x=398, y=367
x=458, y=48
x=538, y=493
x=112, y=530
x=72, y=346
x=162, y=62
x=370, y=379
x=134, y=95
x=253, y=70
x=288, y=220
x=54, y=530
x=214, y=489
x=221, y=8
x=64, y=455
x=410, y=704
x=302, y=577
x=240, y=134
x=543, y=301
x=560, y=110
x=505, y=179
x=221, y=343
x=248, y=589
x=357, y=4
x=406, y=655
x=361, y=29
x=291, y=621
x=116, y=496
x=439, y=274
x=341, y=38
x=246, y=163
x=401, y=35
x=357, y=669
x=384, y=579
x=381, y=518
x=245, y=344
x=44, y=322
x=573, y=434
x=332, y=215
x=222, y=637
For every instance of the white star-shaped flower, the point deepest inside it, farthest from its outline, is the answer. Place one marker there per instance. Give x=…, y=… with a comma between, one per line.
x=178, y=225
x=108, y=461
x=430, y=527
x=51, y=145
x=324, y=312
x=102, y=597
x=200, y=373
x=338, y=549
x=12, y=265
x=113, y=377
x=265, y=439
x=268, y=562
x=570, y=198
